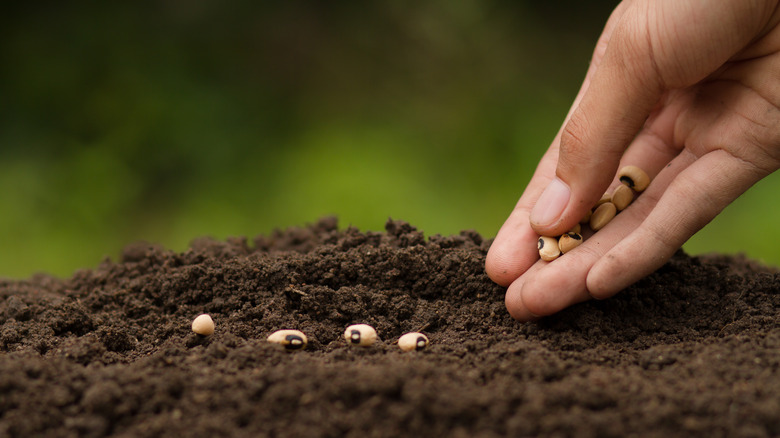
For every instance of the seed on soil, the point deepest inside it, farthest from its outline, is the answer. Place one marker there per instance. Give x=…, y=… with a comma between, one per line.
x=634, y=177
x=289, y=339
x=569, y=241
x=548, y=248
x=576, y=229
x=622, y=197
x=602, y=215
x=203, y=325
x=413, y=341
x=362, y=335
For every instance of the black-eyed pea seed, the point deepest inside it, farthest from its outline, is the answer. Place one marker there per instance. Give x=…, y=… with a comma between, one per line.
x=548, y=248
x=362, y=335
x=203, y=325
x=569, y=241
x=585, y=219
x=602, y=215
x=606, y=197
x=622, y=197
x=634, y=177
x=576, y=229
x=289, y=339
x=413, y=341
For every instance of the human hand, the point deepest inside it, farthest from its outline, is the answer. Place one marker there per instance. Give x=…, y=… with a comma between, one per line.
x=688, y=90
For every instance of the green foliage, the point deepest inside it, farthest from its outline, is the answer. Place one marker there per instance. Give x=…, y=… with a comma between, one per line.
x=172, y=120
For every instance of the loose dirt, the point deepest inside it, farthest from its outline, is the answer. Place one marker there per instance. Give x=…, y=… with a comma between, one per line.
x=693, y=349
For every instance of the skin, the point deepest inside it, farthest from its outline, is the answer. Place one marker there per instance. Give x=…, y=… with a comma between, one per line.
x=689, y=91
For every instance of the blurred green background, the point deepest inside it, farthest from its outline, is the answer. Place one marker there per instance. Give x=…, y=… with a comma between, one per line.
x=174, y=119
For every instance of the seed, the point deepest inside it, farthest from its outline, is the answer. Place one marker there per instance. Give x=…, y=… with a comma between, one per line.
x=606, y=197
x=585, y=219
x=576, y=229
x=602, y=215
x=290, y=339
x=362, y=335
x=622, y=197
x=569, y=241
x=203, y=325
x=634, y=178
x=548, y=248
x=413, y=341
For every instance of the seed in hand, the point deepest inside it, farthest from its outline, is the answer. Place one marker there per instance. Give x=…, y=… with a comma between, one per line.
x=622, y=197
x=602, y=215
x=606, y=197
x=362, y=335
x=203, y=325
x=413, y=341
x=289, y=339
x=569, y=241
x=585, y=219
x=548, y=248
x=576, y=229
x=634, y=177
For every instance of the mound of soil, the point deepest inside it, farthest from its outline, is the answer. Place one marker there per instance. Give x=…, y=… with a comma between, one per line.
x=693, y=349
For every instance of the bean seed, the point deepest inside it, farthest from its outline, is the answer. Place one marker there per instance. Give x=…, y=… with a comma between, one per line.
x=289, y=339
x=602, y=215
x=362, y=335
x=576, y=229
x=622, y=197
x=413, y=341
x=569, y=241
x=634, y=178
x=606, y=197
x=585, y=219
x=203, y=325
x=548, y=248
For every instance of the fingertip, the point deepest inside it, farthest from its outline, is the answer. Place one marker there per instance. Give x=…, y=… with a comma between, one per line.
x=622, y=266
x=600, y=283
x=554, y=287
x=513, y=251
x=515, y=307
x=536, y=301
x=498, y=267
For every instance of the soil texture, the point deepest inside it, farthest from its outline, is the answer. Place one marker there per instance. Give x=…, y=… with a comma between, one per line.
x=691, y=350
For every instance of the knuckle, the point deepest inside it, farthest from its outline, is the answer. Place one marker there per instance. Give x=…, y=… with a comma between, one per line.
x=633, y=43
x=756, y=155
x=663, y=238
x=574, y=145
x=638, y=50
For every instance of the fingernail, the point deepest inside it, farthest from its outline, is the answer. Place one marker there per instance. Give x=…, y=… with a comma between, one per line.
x=551, y=204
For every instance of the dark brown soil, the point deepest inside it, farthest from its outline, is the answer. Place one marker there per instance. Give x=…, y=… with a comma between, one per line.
x=694, y=349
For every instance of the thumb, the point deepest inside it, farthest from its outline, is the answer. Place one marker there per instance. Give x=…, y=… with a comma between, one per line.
x=655, y=46
x=621, y=94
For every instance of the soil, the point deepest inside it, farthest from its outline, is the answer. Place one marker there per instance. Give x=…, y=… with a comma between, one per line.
x=691, y=350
